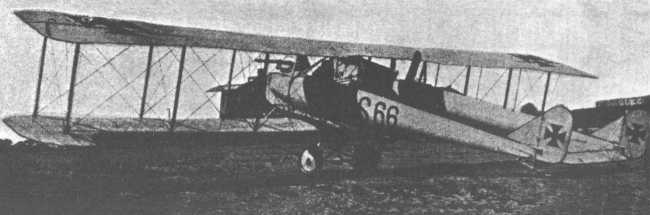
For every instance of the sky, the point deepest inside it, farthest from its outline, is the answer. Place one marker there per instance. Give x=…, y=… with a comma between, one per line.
x=610, y=39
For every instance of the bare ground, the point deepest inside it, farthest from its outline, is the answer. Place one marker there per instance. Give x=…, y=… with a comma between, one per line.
x=257, y=175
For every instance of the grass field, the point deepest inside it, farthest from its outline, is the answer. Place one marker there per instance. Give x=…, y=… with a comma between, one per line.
x=257, y=175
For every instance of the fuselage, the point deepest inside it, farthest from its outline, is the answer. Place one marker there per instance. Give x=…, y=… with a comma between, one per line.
x=385, y=114
x=391, y=107
x=326, y=99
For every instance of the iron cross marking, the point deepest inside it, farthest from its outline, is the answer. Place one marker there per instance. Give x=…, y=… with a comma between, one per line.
x=636, y=133
x=533, y=60
x=555, y=135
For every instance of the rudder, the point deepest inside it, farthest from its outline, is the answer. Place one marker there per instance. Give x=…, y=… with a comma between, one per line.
x=634, y=133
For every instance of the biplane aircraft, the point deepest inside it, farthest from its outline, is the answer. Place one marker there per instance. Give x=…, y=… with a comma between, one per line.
x=346, y=95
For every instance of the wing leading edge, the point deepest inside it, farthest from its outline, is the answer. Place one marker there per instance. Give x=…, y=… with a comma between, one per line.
x=87, y=29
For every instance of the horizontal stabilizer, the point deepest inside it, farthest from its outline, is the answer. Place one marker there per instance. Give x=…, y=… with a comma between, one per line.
x=549, y=134
x=629, y=132
x=610, y=132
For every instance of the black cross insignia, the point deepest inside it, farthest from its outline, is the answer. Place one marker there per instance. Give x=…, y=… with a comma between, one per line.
x=555, y=135
x=534, y=60
x=636, y=133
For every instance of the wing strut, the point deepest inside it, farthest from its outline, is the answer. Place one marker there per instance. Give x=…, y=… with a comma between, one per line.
x=514, y=106
x=73, y=79
x=179, y=81
x=548, y=81
x=505, y=99
x=435, y=84
x=265, y=69
x=232, y=68
x=415, y=62
x=40, y=78
x=225, y=105
x=146, y=82
x=478, y=83
x=467, y=76
x=423, y=73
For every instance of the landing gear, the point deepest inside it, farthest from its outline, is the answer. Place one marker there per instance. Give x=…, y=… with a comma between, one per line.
x=363, y=157
x=311, y=160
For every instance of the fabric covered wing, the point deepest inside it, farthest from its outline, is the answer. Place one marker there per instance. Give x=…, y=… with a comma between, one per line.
x=87, y=29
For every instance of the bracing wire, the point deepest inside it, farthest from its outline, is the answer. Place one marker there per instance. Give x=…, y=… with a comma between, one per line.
x=531, y=85
x=85, y=78
x=457, y=77
x=493, y=85
x=160, y=84
x=552, y=90
x=209, y=98
x=189, y=75
x=129, y=82
x=101, y=75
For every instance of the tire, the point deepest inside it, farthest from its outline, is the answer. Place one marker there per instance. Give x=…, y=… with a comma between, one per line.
x=365, y=158
x=310, y=161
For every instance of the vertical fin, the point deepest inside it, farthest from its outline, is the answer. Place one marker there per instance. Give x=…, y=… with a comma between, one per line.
x=549, y=134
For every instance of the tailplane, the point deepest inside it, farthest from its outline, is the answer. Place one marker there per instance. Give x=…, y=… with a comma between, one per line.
x=610, y=132
x=630, y=131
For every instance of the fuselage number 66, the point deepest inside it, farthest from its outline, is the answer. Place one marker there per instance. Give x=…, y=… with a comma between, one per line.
x=382, y=114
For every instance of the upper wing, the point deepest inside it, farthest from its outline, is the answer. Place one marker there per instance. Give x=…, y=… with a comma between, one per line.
x=87, y=29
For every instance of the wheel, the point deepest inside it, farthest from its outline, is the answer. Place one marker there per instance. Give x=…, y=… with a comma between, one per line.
x=311, y=161
x=365, y=157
